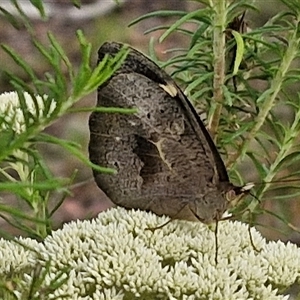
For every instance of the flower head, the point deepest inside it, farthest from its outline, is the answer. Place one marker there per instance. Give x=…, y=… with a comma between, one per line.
x=14, y=117
x=115, y=256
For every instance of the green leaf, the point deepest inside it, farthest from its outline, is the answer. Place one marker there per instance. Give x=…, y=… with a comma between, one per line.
x=77, y=3
x=73, y=149
x=182, y=20
x=239, y=52
x=105, y=109
x=291, y=159
x=11, y=18
x=61, y=53
x=19, y=61
x=161, y=13
x=40, y=6
x=259, y=166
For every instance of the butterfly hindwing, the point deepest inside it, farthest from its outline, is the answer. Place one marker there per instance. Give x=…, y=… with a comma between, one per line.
x=165, y=159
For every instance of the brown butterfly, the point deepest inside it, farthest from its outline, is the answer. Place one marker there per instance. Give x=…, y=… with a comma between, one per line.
x=165, y=159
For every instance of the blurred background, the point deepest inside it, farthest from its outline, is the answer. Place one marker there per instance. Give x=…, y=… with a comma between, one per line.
x=100, y=20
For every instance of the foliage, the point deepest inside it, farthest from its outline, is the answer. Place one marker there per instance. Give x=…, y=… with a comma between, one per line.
x=246, y=79
x=40, y=104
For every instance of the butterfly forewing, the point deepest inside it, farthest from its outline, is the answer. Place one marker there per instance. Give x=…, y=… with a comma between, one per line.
x=165, y=159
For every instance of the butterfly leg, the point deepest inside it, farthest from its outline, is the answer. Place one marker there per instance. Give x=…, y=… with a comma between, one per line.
x=172, y=218
x=249, y=229
x=160, y=226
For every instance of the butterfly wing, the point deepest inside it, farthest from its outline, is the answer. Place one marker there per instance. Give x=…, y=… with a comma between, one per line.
x=165, y=159
x=138, y=63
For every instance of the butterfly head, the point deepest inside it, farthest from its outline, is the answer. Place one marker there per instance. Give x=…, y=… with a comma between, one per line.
x=236, y=193
x=209, y=207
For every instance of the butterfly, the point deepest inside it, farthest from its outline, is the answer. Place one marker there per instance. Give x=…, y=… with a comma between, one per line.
x=165, y=159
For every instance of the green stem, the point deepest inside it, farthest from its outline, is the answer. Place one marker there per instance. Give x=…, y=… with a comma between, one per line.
x=268, y=98
x=41, y=214
x=290, y=138
x=219, y=62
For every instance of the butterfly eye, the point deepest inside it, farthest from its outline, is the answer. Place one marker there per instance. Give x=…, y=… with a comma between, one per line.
x=230, y=196
x=234, y=197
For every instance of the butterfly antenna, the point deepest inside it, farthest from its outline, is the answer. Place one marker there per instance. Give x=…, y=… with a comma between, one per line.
x=254, y=196
x=216, y=242
x=250, y=234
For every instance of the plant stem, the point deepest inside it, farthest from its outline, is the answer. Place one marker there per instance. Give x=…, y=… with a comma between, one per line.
x=268, y=98
x=290, y=138
x=219, y=62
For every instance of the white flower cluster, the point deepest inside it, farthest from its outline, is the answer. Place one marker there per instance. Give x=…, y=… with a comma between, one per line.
x=13, y=115
x=116, y=256
x=14, y=255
